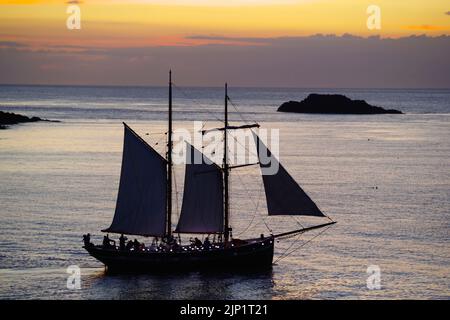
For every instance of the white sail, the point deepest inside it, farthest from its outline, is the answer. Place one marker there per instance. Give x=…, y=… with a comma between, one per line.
x=284, y=195
x=141, y=202
x=202, y=209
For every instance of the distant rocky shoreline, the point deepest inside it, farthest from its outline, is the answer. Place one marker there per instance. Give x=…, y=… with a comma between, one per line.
x=9, y=118
x=333, y=104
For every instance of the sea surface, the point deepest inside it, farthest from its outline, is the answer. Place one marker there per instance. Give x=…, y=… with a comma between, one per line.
x=384, y=178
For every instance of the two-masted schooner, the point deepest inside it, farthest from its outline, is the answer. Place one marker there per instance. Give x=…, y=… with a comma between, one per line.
x=144, y=208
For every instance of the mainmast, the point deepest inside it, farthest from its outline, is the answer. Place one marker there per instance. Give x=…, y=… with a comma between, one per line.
x=169, y=163
x=226, y=170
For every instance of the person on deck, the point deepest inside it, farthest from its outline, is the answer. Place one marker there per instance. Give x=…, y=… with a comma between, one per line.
x=136, y=244
x=197, y=242
x=129, y=245
x=106, y=242
x=122, y=241
x=112, y=242
x=175, y=246
x=154, y=245
x=206, y=243
x=87, y=240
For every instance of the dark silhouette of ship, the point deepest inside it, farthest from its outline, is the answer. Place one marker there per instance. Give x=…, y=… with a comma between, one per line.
x=144, y=208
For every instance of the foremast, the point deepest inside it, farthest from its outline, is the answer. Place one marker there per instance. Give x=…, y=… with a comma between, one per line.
x=226, y=206
x=169, y=163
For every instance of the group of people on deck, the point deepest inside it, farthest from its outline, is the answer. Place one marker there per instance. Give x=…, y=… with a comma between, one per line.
x=168, y=244
x=135, y=245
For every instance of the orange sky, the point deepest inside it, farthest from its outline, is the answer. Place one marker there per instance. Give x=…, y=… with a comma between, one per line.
x=246, y=42
x=157, y=22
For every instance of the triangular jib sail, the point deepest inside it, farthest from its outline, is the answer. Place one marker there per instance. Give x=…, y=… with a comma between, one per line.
x=284, y=195
x=202, y=209
x=141, y=202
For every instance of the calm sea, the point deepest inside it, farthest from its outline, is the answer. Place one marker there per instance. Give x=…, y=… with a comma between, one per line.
x=384, y=178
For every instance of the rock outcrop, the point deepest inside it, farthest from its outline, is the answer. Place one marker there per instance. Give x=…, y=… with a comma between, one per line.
x=9, y=118
x=333, y=104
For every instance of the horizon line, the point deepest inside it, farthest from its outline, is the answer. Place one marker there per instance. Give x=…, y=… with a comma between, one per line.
x=214, y=87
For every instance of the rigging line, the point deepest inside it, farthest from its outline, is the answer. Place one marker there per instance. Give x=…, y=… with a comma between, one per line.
x=285, y=251
x=261, y=186
x=267, y=226
x=251, y=199
x=298, y=222
x=197, y=102
x=176, y=193
x=154, y=132
x=160, y=139
x=256, y=211
x=161, y=135
x=209, y=112
x=239, y=112
x=214, y=146
x=245, y=147
x=230, y=208
x=248, y=193
x=303, y=244
x=248, y=226
x=286, y=254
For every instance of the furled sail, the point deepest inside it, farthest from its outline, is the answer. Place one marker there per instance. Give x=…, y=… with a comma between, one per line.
x=202, y=208
x=141, y=202
x=284, y=195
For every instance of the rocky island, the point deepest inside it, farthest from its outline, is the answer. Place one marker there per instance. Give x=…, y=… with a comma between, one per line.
x=9, y=118
x=333, y=104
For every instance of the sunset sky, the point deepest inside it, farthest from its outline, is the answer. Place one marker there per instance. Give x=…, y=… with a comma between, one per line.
x=206, y=41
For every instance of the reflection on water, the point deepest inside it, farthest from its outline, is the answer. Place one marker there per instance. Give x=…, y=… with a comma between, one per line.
x=187, y=286
x=98, y=284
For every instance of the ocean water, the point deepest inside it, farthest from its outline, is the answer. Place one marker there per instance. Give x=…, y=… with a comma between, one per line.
x=384, y=178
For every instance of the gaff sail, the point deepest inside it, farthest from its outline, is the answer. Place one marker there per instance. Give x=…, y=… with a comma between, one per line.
x=142, y=198
x=202, y=208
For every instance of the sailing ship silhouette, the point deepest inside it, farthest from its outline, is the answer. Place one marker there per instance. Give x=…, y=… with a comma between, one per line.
x=144, y=208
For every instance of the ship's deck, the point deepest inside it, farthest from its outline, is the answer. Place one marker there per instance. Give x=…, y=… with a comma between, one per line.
x=165, y=248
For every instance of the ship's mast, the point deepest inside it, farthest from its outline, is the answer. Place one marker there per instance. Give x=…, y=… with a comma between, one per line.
x=169, y=163
x=226, y=170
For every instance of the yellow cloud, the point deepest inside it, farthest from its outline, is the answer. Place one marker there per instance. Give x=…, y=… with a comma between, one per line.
x=158, y=22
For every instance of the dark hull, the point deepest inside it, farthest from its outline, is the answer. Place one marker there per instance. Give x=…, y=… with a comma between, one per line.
x=253, y=255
